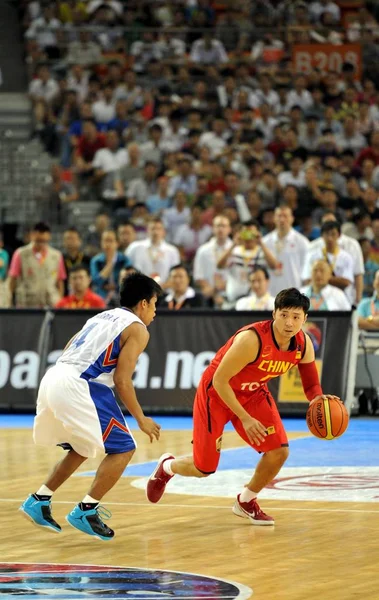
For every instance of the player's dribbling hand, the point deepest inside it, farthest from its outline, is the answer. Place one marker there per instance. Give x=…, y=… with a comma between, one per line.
x=254, y=429
x=329, y=396
x=150, y=427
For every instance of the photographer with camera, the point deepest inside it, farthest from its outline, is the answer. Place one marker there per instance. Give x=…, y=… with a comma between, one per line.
x=247, y=252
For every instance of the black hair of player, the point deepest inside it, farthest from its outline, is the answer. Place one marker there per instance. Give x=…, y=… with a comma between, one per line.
x=137, y=287
x=292, y=298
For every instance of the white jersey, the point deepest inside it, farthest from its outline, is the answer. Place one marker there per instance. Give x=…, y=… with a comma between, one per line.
x=290, y=251
x=95, y=348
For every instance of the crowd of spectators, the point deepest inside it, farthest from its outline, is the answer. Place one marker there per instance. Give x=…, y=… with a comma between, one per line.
x=221, y=171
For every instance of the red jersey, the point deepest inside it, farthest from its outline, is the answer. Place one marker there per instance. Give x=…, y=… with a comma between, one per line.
x=270, y=362
x=89, y=300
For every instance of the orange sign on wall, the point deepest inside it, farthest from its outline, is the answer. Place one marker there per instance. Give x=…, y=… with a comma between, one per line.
x=326, y=57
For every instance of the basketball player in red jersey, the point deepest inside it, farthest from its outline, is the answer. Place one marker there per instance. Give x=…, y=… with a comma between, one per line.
x=234, y=388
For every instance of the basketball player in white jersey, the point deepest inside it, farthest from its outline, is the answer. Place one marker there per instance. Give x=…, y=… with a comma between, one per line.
x=77, y=409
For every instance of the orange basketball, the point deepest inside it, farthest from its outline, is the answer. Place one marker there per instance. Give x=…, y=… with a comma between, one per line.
x=327, y=418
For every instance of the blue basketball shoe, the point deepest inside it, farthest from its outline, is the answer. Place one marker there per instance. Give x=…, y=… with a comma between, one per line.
x=39, y=512
x=89, y=521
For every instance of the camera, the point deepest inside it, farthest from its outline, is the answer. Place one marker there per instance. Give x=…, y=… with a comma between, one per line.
x=247, y=234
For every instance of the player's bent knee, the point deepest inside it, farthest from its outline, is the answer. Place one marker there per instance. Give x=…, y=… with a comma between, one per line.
x=127, y=455
x=130, y=453
x=284, y=452
x=79, y=457
x=280, y=454
x=200, y=474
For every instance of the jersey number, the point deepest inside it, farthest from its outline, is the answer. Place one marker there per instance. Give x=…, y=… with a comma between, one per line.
x=82, y=338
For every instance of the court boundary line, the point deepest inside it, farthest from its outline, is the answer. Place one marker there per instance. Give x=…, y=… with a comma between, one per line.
x=210, y=507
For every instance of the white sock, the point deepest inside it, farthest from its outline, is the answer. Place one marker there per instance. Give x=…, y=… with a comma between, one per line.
x=89, y=500
x=247, y=495
x=44, y=491
x=167, y=466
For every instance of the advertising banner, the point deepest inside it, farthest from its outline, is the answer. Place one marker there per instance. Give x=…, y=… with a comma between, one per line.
x=19, y=357
x=180, y=348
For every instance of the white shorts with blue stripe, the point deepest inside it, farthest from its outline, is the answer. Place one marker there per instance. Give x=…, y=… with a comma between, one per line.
x=85, y=415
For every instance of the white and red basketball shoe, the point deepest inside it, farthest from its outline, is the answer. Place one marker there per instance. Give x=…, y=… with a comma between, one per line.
x=252, y=511
x=158, y=480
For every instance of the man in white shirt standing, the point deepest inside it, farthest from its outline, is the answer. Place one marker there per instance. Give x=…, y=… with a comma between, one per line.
x=154, y=256
x=289, y=247
x=352, y=247
x=340, y=261
x=260, y=297
x=210, y=280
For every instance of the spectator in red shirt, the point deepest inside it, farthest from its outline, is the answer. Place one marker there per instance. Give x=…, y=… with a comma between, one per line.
x=89, y=143
x=371, y=152
x=81, y=296
x=217, y=181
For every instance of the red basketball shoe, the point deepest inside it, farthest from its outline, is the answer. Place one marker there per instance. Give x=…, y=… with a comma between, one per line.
x=252, y=511
x=158, y=480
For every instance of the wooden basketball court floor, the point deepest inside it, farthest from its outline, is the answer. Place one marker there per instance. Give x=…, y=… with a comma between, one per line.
x=323, y=546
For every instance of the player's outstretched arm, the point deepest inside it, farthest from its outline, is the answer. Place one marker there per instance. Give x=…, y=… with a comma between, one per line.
x=134, y=340
x=243, y=351
x=309, y=375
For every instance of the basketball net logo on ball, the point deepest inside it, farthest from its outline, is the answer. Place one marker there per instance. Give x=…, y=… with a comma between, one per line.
x=327, y=418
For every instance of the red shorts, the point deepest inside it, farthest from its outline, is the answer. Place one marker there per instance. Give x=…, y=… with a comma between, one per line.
x=210, y=416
